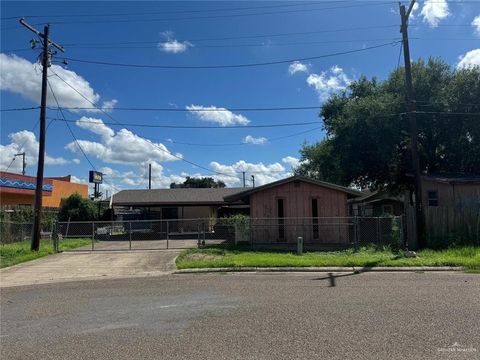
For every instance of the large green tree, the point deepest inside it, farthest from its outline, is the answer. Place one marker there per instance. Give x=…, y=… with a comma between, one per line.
x=77, y=208
x=367, y=139
x=203, y=182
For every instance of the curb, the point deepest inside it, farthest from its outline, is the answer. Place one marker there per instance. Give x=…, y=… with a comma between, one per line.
x=320, y=269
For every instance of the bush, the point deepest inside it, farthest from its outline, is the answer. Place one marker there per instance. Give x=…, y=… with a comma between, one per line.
x=77, y=208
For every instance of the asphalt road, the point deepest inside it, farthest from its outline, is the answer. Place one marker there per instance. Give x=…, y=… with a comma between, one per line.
x=246, y=316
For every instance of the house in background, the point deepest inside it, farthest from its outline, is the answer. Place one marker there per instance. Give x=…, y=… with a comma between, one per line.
x=377, y=203
x=298, y=206
x=19, y=190
x=182, y=204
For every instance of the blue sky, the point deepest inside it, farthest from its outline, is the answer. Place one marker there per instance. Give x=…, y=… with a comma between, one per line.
x=186, y=34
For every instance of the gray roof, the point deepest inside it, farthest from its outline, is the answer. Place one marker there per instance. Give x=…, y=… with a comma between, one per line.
x=189, y=196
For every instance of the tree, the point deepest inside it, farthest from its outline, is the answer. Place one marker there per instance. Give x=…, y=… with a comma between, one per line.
x=77, y=208
x=367, y=141
x=204, y=182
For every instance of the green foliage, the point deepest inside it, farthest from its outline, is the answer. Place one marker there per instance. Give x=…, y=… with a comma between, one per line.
x=367, y=146
x=239, y=219
x=204, y=182
x=11, y=254
x=469, y=257
x=77, y=208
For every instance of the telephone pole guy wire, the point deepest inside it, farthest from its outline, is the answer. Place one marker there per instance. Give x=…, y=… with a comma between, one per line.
x=46, y=63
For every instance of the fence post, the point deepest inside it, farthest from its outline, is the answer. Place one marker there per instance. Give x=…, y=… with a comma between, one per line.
x=167, y=232
x=378, y=230
x=130, y=236
x=93, y=235
x=198, y=235
x=355, y=233
x=403, y=242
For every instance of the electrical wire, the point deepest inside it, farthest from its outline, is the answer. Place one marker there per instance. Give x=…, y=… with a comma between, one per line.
x=153, y=144
x=210, y=17
x=393, y=43
x=237, y=144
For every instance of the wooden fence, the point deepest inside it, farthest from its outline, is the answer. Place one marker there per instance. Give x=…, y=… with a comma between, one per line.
x=446, y=224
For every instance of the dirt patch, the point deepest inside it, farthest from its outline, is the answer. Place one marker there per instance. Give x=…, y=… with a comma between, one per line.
x=202, y=257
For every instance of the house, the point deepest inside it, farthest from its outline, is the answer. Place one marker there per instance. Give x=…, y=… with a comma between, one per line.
x=298, y=206
x=377, y=203
x=181, y=204
x=19, y=190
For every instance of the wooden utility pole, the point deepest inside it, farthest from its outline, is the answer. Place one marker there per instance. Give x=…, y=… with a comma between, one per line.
x=149, y=176
x=24, y=163
x=46, y=42
x=419, y=215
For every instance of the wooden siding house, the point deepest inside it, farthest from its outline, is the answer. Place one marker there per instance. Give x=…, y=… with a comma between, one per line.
x=298, y=206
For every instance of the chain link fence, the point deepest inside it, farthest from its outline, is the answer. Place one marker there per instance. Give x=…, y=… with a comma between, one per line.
x=281, y=233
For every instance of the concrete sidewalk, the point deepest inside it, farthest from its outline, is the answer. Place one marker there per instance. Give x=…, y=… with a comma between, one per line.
x=71, y=266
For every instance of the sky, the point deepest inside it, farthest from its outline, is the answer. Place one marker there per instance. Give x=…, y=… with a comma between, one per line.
x=176, y=44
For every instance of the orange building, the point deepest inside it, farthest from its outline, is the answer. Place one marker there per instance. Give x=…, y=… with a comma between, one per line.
x=16, y=189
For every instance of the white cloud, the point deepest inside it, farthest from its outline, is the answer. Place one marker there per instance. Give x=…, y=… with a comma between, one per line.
x=249, y=139
x=296, y=67
x=476, y=24
x=216, y=115
x=434, y=11
x=171, y=45
x=76, y=161
x=121, y=147
x=469, y=59
x=24, y=141
x=329, y=82
x=292, y=161
x=22, y=77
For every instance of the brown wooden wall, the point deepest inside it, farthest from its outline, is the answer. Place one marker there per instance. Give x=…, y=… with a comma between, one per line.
x=463, y=195
x=298, y=204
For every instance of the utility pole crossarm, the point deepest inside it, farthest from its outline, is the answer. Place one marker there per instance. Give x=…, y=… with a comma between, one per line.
x=35, y=31
x=410, y=8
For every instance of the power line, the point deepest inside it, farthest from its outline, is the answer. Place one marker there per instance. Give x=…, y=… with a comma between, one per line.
x=21, y=109
x=209, y=17
x=70, y=129
x=153, y=144
x=243, y=37
x=232, y=65
x=194, y=126
x=237, y=144
x=288, y=108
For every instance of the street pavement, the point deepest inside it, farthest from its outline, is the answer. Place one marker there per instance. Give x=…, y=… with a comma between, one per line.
x=431, y=315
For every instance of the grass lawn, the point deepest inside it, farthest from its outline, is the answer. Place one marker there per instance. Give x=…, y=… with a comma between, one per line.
x=468, y=256
x=11, y=254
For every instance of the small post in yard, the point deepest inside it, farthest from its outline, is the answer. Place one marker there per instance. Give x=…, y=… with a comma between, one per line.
x=355, y=234
x=299, y=245
x=198, y=239
x=167, y=233
x=130, y=236
x=93, y=235
x=378, y=230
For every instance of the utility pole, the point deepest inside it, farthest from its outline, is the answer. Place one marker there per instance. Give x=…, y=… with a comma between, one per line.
x=243, y=173
x=419, y=216
x=253, y=180
x=46, y=42
x=24, y=164
x=149, y=176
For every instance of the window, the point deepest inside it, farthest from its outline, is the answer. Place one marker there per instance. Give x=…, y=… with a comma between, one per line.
x=315, y=218
x=432, y=198
x=281, y=221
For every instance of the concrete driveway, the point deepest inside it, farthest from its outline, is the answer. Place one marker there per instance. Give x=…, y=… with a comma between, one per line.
x=83, y=265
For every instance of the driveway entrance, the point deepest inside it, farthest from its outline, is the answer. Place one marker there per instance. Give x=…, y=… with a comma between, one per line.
x=83, y=265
